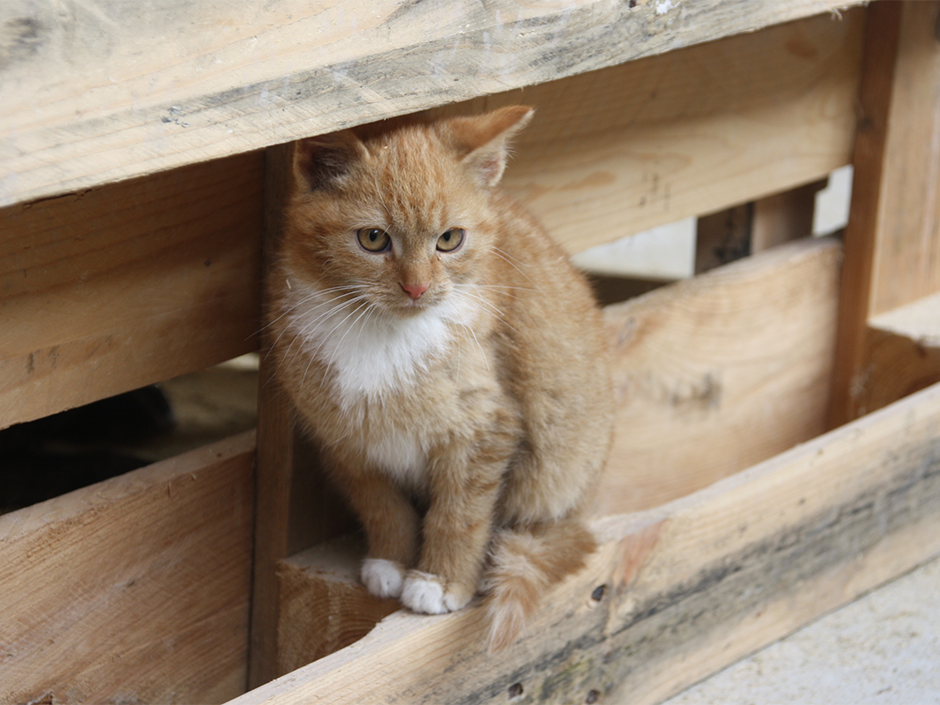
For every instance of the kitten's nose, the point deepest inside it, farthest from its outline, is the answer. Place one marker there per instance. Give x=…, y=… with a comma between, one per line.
x=415, y=290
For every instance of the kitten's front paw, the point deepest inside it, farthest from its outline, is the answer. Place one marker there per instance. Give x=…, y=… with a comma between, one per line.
x=430, y=594
x=382, y=578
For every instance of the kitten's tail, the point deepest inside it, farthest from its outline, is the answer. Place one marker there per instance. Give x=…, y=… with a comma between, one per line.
x=524, y=564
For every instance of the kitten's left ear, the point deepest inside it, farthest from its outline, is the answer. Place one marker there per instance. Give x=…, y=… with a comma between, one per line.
x=321, y=162
x=487, y=137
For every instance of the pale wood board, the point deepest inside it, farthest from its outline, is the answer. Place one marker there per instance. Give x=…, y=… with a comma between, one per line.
x=716, y=373
x=127, y=284
x=893, y=234
x=907, y=245
x=690, y=586
x=135, y=589
x=902, y=353
x=614, y=152
x=103, y=92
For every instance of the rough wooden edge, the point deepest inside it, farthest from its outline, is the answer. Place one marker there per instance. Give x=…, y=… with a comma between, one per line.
x=689, y=587
x=133, y=589
x=902, y=354
x=256, y=103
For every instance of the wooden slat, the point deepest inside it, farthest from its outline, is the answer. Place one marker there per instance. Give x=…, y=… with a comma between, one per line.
x=128, y=284
x=618, y=151
x=690, y=587
x=903, y=354
x=134, y=589
x=893, y=234
x=719, y=372
x=94, y=95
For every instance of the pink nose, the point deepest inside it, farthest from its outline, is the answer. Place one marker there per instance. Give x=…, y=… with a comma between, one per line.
x=415, y=290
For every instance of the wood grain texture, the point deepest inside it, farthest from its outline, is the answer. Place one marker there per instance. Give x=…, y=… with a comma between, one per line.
x=323, y=606
x=614, y=152
x=719, y=372
x=134, y=589
x=102, y=92
x=903, y=354
x=128, y=284
x=893, y=234
x=690, y=587
x=907, y=246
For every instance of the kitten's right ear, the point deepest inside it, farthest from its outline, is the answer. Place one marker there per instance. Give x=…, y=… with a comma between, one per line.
x=321, y=162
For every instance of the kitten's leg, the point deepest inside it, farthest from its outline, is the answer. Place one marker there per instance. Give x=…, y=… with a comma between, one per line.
x=465, y=485
x=391, y=525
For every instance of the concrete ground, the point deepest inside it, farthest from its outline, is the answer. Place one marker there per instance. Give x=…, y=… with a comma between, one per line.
x=882, y=649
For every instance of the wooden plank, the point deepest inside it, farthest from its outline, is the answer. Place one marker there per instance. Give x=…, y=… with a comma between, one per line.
x=94, y=94
x=784, y=216
x=134, y=589
x=716, y=373
x=128, y=284
x=892, y=239
x=903, y=354
x=723, y=237
x=294, y=505
x=907, y=247
x=618, y=151
x=323, y=605
x=688, y=587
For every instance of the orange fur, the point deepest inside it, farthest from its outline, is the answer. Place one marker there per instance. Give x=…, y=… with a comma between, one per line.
x=461, y=394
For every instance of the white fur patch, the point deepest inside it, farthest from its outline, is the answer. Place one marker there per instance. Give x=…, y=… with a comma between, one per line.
x=370, y=350
x=400, y=456
x=425, y=593
x=382, y=578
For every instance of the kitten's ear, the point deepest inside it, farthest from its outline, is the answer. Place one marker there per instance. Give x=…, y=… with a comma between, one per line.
x=486, y=140
x=322, y=161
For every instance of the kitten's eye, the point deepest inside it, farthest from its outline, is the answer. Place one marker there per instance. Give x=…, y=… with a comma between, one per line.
x=373, y=239
x=451, y=240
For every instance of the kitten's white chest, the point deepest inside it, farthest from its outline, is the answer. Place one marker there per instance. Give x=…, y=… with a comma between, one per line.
x=371, y=353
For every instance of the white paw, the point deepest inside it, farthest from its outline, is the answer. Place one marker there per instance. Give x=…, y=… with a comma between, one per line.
x=425, y=593
x=381, y=577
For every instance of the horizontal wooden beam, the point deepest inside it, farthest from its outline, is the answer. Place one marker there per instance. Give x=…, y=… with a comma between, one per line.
x=716, y=373
x=128, y=284
x=134, y=589
x=96, y=96
x=624, y=149
x=680, y=591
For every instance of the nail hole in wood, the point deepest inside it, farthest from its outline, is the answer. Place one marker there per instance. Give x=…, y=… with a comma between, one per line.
x=515, y=690
x=593, y=696
x=599, y=593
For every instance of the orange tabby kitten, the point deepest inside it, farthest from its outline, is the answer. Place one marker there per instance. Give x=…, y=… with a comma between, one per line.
x=447, y=358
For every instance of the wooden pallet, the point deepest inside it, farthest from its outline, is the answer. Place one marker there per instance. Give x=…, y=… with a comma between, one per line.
x=778, y=439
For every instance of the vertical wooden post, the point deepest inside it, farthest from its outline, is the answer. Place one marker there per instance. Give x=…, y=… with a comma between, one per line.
x=277, y=439
x=784, y=216
x=892, y=246
x=295, y=507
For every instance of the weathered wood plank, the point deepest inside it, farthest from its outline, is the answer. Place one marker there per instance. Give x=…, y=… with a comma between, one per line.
x=689, y=587
x=135, y=589
x=893, y=234
x=618, y=151
x=95, y=95
x=716, y=373
x=127, y=284
x=902, y=353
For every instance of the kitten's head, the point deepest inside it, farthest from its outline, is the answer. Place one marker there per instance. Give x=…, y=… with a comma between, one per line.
x=398, y=214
